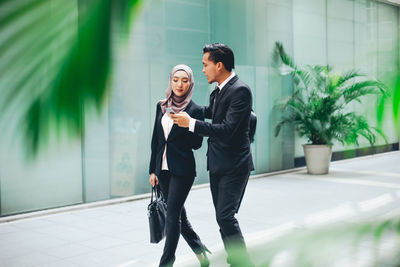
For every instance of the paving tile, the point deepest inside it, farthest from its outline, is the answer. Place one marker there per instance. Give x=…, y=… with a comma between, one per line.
x=98, y=259
x=108, y=228
x=34, y=223
x=20, y=236
x=137, y=235
x=8, y=228
x=59, y=263
x=85, y=223
x=67, y=233
x=12, y=250
x=93, y=213
x=43, y=243
x=103, y=242
x=28, y=260
x=69, y=250
x=63, y=218
x=118, y=234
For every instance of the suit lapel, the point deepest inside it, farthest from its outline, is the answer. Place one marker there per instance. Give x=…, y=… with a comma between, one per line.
x=173, y=131
x=160, y=127
x=222, y=94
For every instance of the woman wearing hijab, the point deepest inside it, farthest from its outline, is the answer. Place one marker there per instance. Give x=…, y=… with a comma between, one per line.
x=172, y=163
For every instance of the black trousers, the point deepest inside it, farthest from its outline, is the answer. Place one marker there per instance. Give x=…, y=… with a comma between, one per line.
x=176, y=189
x=227, y=193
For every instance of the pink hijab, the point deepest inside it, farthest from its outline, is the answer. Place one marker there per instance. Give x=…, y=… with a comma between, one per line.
x=178, y=103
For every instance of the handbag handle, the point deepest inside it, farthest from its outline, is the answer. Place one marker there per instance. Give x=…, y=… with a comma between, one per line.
x=156, y=190
x=153, y=191
x=159, y=192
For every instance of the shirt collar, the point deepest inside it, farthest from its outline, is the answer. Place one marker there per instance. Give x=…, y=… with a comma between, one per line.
x=220, y=86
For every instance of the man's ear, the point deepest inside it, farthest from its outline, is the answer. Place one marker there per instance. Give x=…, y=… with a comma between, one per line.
x=220, y=66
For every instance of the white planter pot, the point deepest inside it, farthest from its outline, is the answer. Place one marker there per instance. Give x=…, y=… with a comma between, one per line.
x=318, y=158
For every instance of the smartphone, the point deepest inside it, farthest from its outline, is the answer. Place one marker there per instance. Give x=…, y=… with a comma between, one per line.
x=170, y=110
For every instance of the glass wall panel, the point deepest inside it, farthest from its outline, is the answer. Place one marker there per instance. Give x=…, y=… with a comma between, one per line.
x=96, y=157
x=54, y=179
x=113, y=157
x=340, y=41
x=281, y=148
x=309, y=32
x=366, y=56
x=388, y=55
x=340, y=34
x=309, y=41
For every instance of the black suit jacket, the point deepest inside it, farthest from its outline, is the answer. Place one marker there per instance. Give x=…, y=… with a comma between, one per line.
x=180, y=143
x=228, y=143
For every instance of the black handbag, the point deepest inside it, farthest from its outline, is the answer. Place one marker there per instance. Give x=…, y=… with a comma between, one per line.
x=157, y=213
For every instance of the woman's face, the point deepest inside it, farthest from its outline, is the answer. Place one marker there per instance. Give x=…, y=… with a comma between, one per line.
x=180, y=83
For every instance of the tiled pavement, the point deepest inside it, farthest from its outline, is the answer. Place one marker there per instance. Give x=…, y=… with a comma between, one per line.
x=117, y=235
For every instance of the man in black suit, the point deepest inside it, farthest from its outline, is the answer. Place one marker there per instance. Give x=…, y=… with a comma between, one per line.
x=229, y=158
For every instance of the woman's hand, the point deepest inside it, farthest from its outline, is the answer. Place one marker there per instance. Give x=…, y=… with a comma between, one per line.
x=153, y=179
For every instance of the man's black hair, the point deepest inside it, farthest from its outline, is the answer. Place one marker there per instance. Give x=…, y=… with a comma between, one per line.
x=220, y=53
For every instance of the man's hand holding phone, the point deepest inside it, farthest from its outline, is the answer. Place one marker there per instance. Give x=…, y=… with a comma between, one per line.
x=182, y=119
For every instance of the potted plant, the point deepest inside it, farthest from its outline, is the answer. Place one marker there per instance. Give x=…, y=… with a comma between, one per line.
x=317, y=108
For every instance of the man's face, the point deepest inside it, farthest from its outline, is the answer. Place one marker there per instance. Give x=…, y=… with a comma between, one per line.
x=209, y=69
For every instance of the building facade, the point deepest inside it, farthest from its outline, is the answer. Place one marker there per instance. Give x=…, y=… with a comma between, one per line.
x=112, y=159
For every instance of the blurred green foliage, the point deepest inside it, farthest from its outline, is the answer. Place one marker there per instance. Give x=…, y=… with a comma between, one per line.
x=364, y=243
x=368, y=243
x=55, y=63
x=393, y=99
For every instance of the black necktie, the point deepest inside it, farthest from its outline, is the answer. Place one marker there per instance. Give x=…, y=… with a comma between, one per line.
x=215, y=91
x=216, y=94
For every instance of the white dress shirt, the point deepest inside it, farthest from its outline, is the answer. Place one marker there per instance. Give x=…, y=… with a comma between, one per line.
x=167, y=124
x=192, y=121
x=221, y=86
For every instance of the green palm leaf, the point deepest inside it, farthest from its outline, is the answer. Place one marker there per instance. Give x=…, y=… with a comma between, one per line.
x=55, y=62
x=317, y=104
x=281, y=55
x=348, y=76
x=302, y=78
x=362, y=88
